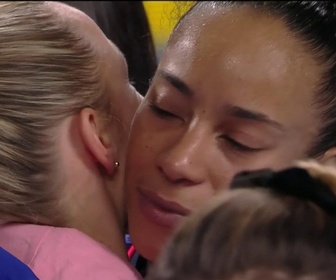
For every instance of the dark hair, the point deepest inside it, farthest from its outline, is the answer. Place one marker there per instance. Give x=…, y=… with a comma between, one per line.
x=256, y=230
x=314, y=22
x=125, y=23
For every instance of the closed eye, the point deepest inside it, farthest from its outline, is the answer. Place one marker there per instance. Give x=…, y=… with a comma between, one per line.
x=161, y=112
x=240, y=147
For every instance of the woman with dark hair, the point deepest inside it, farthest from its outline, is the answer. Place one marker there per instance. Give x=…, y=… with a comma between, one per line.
x=241, y=85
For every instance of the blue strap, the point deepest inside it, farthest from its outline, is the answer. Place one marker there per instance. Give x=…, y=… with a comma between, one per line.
x=12, y=269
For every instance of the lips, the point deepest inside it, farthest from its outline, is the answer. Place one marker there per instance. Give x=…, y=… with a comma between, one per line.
x=159, y=211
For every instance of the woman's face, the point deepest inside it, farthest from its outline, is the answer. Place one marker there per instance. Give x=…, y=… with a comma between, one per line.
x=233, y=92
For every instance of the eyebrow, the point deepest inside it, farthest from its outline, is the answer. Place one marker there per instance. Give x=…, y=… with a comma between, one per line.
x=234, y=111
x=242, y=113
x=176, y=82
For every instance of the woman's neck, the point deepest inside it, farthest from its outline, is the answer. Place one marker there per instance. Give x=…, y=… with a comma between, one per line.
x=94, y=214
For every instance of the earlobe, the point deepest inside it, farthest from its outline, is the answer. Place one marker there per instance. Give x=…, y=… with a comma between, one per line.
x=96, y=139
x=329, y=157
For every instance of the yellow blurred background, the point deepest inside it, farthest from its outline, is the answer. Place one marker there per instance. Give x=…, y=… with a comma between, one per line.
x=162, y=17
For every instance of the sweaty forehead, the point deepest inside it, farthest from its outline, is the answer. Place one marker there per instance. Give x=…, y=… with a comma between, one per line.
x=242, y=38
x=242, y=24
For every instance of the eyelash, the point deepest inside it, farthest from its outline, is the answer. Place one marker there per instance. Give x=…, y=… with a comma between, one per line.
x=240, y=147
x=160, y=112
x=236, y=145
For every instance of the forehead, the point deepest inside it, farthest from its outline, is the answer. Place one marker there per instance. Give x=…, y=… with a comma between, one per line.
x=244, y=36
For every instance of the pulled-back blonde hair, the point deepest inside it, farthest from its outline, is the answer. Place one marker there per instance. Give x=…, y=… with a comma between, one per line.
x=47, y=72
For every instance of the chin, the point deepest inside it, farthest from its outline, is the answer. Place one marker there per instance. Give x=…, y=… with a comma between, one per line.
x=149, y=253
x=148, y=243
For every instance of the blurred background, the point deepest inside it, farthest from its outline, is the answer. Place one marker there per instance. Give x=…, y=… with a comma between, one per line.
x=162, y=17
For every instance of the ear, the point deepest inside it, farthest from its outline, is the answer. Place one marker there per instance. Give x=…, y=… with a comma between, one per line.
x=329, y=157
x=97, y=139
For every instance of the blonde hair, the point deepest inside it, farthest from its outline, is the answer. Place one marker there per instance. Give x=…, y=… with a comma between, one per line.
x=47, y=72
x=254, y=233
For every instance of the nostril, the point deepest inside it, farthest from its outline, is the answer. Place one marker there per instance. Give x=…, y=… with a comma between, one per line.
x=183, y=161
x=179, y=176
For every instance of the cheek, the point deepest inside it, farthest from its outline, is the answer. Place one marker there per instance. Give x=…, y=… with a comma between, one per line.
x=141, y=150
x=128, y=108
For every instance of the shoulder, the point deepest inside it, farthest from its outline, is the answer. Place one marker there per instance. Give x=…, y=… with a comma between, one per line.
x=64, y=253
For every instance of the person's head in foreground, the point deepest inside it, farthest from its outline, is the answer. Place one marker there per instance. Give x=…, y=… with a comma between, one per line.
x=271, y=225
x=65, y=111
x=240, y=86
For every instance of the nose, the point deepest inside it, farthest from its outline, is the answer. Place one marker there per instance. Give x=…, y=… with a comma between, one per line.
x=184, y=161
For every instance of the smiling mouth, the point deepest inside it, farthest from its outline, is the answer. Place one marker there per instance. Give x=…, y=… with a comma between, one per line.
x=162, y=212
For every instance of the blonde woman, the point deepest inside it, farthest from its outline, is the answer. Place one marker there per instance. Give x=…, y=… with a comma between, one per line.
x=66, y=106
